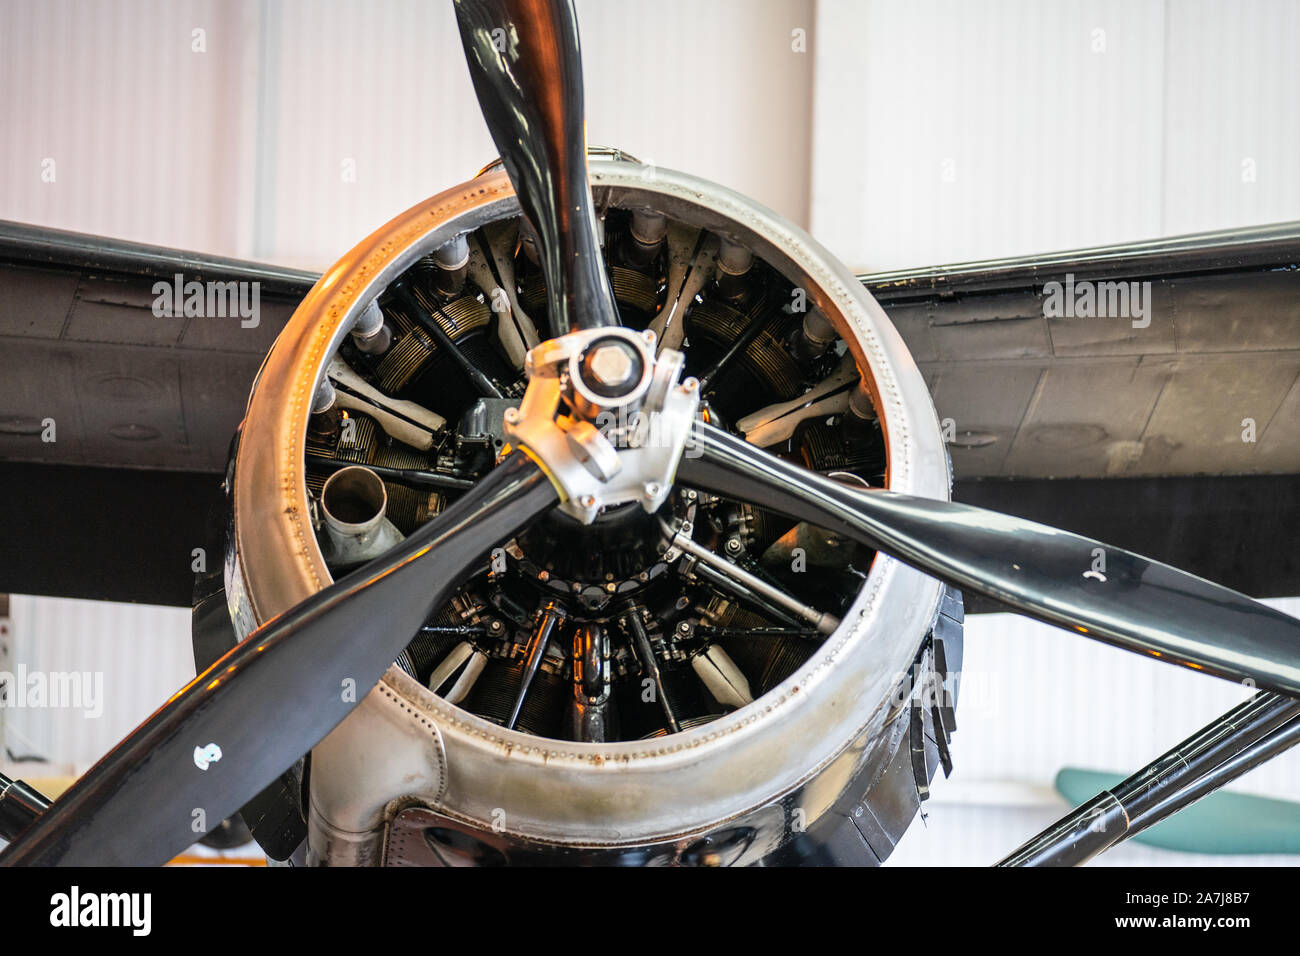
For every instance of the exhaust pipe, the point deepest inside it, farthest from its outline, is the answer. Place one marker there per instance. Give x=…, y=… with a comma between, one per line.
x=353, y=503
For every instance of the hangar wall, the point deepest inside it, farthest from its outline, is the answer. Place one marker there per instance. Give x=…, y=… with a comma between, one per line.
x=947, y=131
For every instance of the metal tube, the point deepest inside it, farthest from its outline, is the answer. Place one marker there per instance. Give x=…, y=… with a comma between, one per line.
x=452, y=261
x=410, y=477
x=1160, y=788
x=708, y=573
x=370, y=334
x=826, y=623
x=480, y=381
x=718, y=632
x=758, y=318
x=353, y=504
x=468, y=678
x=1275, y=743
x=591, y=715
x=733, y=258
x=644, y=651
x=721, y=677
x=536, y=651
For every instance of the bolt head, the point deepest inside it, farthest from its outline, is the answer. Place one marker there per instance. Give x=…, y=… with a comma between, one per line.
x=611, y=365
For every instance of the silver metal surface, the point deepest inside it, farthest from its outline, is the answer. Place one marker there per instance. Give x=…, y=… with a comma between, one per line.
x=370, y=334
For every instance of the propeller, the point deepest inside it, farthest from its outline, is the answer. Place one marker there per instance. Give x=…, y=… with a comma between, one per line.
x=1094, y=589
x=249, y=716
x=238, y=725
x=526, y=64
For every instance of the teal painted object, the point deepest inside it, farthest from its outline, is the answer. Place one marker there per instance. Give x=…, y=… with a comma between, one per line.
x=1223, y=822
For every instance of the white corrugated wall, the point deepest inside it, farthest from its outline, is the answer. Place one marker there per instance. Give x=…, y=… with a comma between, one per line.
x=139, y=655
x=947, y=131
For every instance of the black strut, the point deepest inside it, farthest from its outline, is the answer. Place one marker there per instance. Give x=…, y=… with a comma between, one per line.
x=20, y=804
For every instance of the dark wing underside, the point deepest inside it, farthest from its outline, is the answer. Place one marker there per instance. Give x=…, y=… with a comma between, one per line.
x=1123, y=433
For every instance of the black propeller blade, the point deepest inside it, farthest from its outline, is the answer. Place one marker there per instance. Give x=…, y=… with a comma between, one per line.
x=525, y=61
x=1054, y=576
x=250, y=715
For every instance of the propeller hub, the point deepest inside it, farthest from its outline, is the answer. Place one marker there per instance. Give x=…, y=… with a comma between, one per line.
x=607, y=417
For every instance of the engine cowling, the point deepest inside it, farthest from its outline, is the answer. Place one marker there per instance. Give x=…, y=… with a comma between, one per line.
x=734, y=726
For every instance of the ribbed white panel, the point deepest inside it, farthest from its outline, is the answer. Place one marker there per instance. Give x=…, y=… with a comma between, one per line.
x=148, y=138
x=1035, y=699
x=716, y=89
x=364, y=111
x=1232, y=139
x=947, y=130
x=367, y=108
x=143, y=652
x=306, y=125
